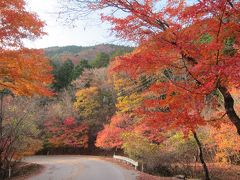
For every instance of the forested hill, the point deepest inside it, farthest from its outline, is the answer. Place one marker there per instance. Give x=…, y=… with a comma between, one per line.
x=78, y=53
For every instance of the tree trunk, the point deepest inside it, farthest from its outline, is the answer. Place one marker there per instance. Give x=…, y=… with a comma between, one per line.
x=204, y=165
x=1, y=114
x=229, y=107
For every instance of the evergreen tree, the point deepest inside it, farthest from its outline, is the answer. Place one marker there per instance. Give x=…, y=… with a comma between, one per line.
x=83, y=64
x=64, y=75
x=102, y=60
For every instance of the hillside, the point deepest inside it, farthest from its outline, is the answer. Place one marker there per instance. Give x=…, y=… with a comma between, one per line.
x=77, y=53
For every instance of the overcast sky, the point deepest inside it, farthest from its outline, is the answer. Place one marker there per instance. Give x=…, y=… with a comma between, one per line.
x=85, y=34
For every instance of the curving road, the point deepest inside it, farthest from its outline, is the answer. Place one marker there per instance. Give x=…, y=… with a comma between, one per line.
x=79, y=168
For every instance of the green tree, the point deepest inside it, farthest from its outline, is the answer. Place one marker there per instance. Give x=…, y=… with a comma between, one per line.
x=102, y=60
x=64, y=75
x=83, y=64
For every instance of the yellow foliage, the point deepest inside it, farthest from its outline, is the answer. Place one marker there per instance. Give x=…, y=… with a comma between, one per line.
x=87, y=101
x=226, y=142
x=126, y=102
x=139, y=147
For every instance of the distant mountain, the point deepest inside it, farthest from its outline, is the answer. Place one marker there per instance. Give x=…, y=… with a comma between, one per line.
x=77, y=53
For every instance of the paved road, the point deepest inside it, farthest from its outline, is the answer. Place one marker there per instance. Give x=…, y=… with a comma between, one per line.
x=79, y=168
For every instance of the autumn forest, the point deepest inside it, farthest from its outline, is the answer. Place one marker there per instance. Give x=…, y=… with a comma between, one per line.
x=168, y=98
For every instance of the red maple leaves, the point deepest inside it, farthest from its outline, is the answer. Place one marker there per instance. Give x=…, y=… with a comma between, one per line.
x=68, y=133
x=192, y=51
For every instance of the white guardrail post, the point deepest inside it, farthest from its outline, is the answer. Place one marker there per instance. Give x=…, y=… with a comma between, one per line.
x=128, y=160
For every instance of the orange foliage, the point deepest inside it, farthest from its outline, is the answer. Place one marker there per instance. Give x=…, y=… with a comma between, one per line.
x=110, y=136
x=23, y=71
x=226, y=142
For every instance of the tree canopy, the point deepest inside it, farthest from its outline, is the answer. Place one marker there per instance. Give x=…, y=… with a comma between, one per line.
x=23, y=71
x=192, y=49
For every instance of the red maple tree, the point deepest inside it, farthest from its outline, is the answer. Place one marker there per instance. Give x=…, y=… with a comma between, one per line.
x=110, y=136
x=68, y=133
x=192, y=49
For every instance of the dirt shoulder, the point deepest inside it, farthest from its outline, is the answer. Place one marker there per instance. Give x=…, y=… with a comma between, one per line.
x=25, y=170
x=141, y=175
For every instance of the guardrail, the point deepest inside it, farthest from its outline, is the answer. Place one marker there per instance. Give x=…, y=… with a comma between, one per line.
x=128, y=160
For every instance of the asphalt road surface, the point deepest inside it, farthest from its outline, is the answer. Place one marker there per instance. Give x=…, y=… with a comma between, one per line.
x=79, y=168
